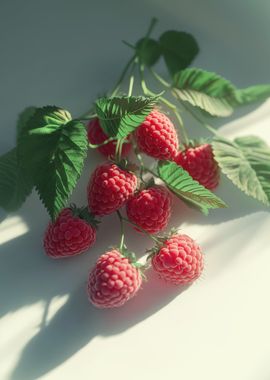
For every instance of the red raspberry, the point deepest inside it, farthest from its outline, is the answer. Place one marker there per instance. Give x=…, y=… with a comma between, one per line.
x=150, y=209
x=109, y=188
x=113, y=280
x=69, y=235
x=97, y=136
x=157, y=137
x=199, y=162
x=179, y=260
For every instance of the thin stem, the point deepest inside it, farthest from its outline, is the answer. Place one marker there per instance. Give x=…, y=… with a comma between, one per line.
x=94, y=146
x=122, y=76
x=121, y=245
x=151, y=27
x=141, y=229
x=159, y=78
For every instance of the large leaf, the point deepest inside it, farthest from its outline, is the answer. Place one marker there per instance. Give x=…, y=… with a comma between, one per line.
x=119, y=116
x=214, y=94
x=15, y=185
x=148, y=51
x=186, y=188
x=53, y=148
x=246, y=162
x=178, y=49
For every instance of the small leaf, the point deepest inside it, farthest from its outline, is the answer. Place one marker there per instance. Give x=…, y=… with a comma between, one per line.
x=179, y=49
x=24, y=117
x=15, y=185
x=246, y=162
x=119, y=116
x=186, y=188
x=54, y=158
x=214, y=94
x=148, y=51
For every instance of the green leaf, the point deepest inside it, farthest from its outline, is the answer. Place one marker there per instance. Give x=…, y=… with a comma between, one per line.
x=119, y=116
x=246, y=162
x=214, y=94
x=24, y=117
x=148, y=51
x=179, y=49
x=15, y=185
x=54, y=156
x=186, y=188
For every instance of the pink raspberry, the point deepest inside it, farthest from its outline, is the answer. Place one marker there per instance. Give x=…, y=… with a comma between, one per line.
x=69, y=235
x=157, y=137
x=179, y=260
x=109, y=188
x=150, y=209
x=199, y=162
x=96, y=136
x=113, y=280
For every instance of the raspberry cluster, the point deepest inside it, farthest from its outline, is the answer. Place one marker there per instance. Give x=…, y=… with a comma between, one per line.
x=117, y=276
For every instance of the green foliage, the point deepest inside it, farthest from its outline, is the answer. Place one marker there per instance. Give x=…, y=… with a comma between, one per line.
x=246, y=162
x=214, y=94
x=52, y=149
x=148, y=51
x=178, y=49
x=15, y=185
x=24, y=117
x=186, y=188
x=119, y=116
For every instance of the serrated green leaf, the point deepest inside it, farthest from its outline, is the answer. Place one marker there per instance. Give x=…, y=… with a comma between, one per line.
x=214, y=94
x=186, y=188
x=24, y=117
x=178, y=49
x=148, y=51
x=119, y=116
x=246, y=162
x=15, y=185
x=53, y=158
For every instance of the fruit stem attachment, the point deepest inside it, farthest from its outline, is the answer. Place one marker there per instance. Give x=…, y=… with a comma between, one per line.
x=94, y=146
x=141, y=229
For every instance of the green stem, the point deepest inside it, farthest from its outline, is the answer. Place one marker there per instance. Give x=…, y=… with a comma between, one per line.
x=141, y=229
x=121, y=246
x=159, y=78
x=122, y=76
x=94, y=146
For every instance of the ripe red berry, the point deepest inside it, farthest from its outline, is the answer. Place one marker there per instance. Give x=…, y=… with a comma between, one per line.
x=179, y=260
x=69, y=235
x=150, y=209
x=113, y=280
x=199, y=162
x=157, y=137
x=109, y=188
x=96, y=136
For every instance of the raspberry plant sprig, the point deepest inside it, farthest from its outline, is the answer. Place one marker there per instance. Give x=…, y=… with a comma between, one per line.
x=51, y=148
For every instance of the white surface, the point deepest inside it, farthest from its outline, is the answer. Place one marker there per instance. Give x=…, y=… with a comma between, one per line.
x=65, y=53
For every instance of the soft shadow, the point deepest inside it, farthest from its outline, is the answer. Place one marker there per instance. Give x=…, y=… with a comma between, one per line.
x=78, y=322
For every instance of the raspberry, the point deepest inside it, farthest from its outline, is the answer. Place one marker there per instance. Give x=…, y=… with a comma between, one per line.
x=69, y=235
x=150, y=209
x=157, y=137
x=113, y=280
x=97, y=136
x=179, y=260
x=199, y=162
x=109, y=188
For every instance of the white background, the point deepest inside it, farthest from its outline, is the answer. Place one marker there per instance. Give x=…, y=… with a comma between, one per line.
x=66, y=53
